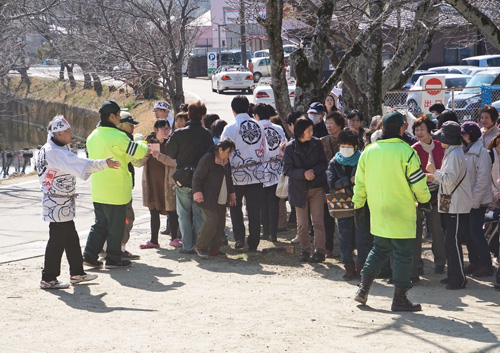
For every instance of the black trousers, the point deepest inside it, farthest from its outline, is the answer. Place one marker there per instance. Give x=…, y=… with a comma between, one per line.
x=329, y=229
x=454, y=227
x=252, y=195
x=270, y=210
x=62, y=237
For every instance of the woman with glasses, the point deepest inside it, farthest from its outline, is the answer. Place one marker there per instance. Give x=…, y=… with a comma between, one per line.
x=158, y=186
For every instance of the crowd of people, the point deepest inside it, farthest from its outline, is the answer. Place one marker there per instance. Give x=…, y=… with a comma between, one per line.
x=406, y=179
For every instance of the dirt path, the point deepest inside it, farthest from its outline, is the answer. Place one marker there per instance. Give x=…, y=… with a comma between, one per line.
x=168, y=302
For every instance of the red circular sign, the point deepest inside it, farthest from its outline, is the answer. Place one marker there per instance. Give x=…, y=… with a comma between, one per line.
x=433, y=83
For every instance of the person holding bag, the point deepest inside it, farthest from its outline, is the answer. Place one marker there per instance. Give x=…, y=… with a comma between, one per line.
x=341, y=174
x=454, y=200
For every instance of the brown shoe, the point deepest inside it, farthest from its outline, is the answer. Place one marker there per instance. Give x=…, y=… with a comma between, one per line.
x=295, y=240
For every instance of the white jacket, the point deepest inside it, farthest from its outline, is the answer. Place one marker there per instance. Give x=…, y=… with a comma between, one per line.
x=274, y=137
x=479, y=172
x=251, y=150
x=452, y=170
x=488, y=135
x=495, y=174
x=57, y=168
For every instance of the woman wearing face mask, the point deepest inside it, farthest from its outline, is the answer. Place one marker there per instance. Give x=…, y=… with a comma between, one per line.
x=479, y=173
x=158, y=186
x=341, y=173
x=428, y=150
x=316, y=112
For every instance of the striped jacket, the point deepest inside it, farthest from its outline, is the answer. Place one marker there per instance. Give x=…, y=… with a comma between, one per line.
x=389, y=178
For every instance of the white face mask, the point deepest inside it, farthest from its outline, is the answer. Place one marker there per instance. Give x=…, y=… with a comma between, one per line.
x=346, y=151
x=435, y=115
x=316, y=118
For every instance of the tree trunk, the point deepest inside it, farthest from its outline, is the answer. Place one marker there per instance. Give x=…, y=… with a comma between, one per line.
x=87, y=80
x=273, y=25
x=97, y=83
x=69, y=69
x=61, y=71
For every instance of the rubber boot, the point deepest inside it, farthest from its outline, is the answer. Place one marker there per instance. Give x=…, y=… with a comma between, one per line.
x=359, y=267
x=350, y=271
x=364, y=289
x=400, y=302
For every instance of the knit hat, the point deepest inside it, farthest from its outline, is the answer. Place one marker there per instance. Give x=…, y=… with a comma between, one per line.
x=449, y=133
x=394, y=117
x=472, y=129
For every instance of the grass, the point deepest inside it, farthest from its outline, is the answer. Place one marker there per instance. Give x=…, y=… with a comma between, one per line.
x=53, y=90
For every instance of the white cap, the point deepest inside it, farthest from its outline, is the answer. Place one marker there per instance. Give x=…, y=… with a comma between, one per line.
x=162, y=105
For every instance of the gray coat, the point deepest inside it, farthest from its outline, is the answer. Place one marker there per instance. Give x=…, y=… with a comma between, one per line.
x=479, y=173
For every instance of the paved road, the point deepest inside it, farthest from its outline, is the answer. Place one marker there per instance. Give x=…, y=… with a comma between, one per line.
x=23, y=234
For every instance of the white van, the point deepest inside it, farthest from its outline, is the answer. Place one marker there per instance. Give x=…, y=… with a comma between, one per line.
x=482, y=60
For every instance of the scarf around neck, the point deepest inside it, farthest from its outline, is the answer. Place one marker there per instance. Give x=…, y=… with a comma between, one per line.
x=351, y=161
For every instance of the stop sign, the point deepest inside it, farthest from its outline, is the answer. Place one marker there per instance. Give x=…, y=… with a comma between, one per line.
x=433, y=86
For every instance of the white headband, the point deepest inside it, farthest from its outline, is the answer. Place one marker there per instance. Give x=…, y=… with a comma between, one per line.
x=58, y=124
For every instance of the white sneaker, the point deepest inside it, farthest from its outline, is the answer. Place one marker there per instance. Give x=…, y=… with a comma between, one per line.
x=55, y=284
x=82, y=278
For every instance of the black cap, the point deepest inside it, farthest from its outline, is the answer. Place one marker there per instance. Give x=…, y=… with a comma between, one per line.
x=449, y=133
x=126, y=117
x=109, y=107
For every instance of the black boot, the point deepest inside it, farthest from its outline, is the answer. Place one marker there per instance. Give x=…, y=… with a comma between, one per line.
x=364, y=289
x=400, y=302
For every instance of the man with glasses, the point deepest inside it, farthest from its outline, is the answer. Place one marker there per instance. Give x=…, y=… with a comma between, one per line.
x=162, y=111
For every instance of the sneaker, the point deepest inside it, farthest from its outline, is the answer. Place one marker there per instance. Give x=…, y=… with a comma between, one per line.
x=295, y=240
x=304, y=257
x=176, y=243
x=55, y=284
x=202, y=252
x=217, y=252
x=317, y=257
x=89, y=263
x=120, y=264
x=149, y=245
x=82, y=278
x=129, y=256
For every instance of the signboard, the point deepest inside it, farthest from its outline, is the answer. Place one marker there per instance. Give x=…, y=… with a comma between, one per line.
x=434, y=92
x=211, y=63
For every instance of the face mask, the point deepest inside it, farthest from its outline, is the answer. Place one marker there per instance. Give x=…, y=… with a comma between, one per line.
x=316, y=118
x=435, y=115
x=346, y=151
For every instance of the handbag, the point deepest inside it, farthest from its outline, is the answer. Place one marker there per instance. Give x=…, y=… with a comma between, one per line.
x=184, y=177
x=445, y=199
x=340, y=205
x=282, y=187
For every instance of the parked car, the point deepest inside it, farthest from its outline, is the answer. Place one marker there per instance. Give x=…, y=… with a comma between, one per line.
x=414, y=98
x=466, y=104
x=232, y=57
x=415, y=77
x=261, y=67
x=482, y=60
x=261, y=53
x=232, y=78
x=458, y=69
x=288, y=49
x=263, y=93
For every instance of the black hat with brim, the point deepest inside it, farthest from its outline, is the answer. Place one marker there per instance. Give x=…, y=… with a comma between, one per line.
x=110, y=107
x=448, y=134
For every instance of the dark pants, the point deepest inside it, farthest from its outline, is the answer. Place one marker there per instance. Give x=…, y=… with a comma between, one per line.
x=62, y=237
x=252, y=195
x=351, y=237
x=477, y=245
x=329, y=228
x=109, y=226
x=154, y=222
x=454, y=228
x=173, y=224
x=270, y=211
x=383, y=248
x=129, y=222
x=214, y=221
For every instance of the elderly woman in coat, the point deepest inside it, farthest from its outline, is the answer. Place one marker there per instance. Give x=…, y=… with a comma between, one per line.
x=158, y=186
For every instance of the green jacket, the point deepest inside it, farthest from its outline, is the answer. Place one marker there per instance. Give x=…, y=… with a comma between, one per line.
x=113, y=186
x=390, y=179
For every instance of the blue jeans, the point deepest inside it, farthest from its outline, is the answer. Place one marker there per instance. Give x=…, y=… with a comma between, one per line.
x=351, y=237
x=186, y=206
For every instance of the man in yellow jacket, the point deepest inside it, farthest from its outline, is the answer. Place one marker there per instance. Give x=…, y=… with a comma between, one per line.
x=111, y=189
x=390, y=182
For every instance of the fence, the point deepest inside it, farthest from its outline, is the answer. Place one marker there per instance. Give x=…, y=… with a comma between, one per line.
x=466, y=103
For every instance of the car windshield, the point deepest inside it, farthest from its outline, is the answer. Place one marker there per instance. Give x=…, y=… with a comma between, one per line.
x=478, y=80
x=457, y=82
x=237, y=56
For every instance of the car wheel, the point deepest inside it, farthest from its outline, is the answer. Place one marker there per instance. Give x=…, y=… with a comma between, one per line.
x=219, y=91
x=212, y=85
x=256, y=77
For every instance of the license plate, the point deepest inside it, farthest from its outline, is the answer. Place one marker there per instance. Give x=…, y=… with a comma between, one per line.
x=238, y=78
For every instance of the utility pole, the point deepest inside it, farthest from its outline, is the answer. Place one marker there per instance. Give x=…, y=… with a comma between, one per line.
x=243, y=34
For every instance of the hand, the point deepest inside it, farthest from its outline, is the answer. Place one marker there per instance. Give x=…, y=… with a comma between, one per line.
x=155, y=153
x=309, y=174
x=282, y=147
x=425, y=207
x=430, y=177
x=198, y=198
x=232, y=199
x=112, y=164
x=430, y=168
x=353, y=178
